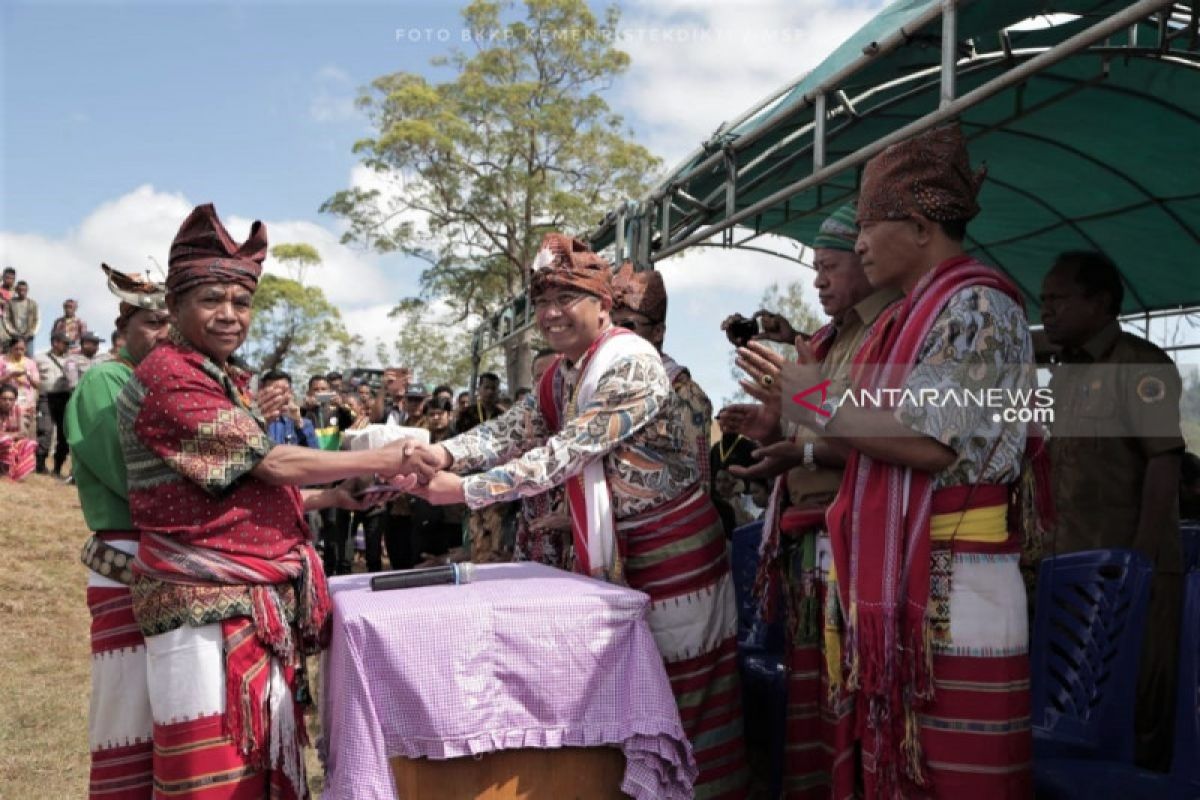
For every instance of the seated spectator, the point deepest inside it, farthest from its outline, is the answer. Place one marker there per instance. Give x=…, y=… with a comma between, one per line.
x=290, y=426
x=17, y=451
x=21, y=371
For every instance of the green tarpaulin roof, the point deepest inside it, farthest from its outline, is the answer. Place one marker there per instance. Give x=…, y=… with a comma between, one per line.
x=1099, y=151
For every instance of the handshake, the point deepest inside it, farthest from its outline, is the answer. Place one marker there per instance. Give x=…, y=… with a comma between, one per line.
x=420, y=469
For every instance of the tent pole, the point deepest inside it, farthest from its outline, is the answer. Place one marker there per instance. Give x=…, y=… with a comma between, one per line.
x=949, y=51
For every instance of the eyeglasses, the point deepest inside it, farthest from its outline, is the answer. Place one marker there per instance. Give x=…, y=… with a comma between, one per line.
x=561, y=301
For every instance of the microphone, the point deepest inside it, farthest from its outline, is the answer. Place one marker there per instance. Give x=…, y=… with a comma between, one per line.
x=449, y=574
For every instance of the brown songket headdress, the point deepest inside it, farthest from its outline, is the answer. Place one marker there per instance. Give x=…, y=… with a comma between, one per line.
x=929, y=174
x=642, y=292
x=204, y=252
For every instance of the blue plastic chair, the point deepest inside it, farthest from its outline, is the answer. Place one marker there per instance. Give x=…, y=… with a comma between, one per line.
x=1091, y=608
x=1185, y=758
x=761, y=658
x=1076, y=779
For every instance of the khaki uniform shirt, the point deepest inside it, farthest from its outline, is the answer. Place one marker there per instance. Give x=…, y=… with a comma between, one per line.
x=819, y=486
x=1109, y=421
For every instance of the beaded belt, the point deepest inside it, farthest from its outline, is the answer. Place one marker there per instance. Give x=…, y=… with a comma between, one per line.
x=104, y=559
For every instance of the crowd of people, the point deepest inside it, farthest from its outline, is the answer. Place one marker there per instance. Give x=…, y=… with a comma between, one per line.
x=897, y=540
x=39, y=385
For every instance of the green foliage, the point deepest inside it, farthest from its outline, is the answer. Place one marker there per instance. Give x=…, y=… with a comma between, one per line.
x=293, y=327
x=438, y=351
x=518, y=143
x=296, y=258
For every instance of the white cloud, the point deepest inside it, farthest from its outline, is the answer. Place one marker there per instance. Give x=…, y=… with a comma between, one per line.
x=696, y=66
x=130, y=230
x=333, y=96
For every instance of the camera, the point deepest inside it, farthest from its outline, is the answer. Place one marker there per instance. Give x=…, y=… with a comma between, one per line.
x=743, y=330
x=324, y=398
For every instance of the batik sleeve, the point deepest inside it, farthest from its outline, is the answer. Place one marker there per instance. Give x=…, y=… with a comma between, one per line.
x=629, y=395
x=195, y=427
x=499, y=439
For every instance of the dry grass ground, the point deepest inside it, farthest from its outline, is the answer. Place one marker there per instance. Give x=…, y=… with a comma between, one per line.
x=46, y=657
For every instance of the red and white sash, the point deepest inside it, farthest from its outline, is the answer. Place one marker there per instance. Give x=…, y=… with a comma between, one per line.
x=589, y=498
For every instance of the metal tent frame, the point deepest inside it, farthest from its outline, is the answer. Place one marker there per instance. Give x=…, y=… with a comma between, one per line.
x=796, y=123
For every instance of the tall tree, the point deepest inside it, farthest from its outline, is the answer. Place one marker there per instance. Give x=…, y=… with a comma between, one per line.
x=437, y=349
x=294, y=325
x=518, y=143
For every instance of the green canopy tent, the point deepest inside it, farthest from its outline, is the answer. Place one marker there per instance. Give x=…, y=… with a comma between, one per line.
x=1088, y=130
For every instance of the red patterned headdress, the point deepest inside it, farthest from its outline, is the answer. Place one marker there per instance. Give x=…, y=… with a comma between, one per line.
x=929, y=174
x=566, y=263
x=204, y=252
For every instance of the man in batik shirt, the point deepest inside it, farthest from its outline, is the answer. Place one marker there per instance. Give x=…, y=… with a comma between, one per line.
x=640, y=305
x=604, y=422
x=937, y=680
x=119, y=725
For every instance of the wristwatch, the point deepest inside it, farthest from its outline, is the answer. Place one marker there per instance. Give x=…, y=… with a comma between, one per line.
x=822, y=418
x=810, y=460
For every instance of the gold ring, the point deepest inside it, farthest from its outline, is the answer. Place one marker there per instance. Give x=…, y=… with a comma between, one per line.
x=767, y=381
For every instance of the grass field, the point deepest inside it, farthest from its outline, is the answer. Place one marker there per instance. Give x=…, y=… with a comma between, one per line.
x=46, y=657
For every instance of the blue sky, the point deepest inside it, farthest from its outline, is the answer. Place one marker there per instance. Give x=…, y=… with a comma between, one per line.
x=118, y=117
x=204, y=98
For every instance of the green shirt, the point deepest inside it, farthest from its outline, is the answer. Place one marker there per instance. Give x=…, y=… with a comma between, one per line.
x=98, y=462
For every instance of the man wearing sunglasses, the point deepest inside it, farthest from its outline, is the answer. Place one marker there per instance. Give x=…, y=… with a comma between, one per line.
x=604, y=423
x=640, y=305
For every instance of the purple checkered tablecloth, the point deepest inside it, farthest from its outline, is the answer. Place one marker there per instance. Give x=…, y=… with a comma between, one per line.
x=524, y=656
